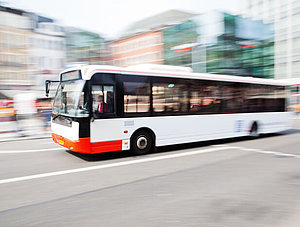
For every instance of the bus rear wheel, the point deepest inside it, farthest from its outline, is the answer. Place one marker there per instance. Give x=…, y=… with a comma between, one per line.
x=141, y=143
x=254, y=131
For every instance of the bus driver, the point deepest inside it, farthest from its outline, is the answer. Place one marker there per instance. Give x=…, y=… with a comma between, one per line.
x=98, y=105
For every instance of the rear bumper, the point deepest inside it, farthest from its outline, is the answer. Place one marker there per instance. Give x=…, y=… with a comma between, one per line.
x=84, y=145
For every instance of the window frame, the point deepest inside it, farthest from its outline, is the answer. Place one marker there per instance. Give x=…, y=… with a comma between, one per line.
x=104, y=114
x=146, y=95
x=136, y=79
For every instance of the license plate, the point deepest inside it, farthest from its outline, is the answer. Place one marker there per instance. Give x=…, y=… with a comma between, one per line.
x=61, y=142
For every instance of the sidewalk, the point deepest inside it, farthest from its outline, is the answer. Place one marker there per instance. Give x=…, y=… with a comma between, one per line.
x=32, y=128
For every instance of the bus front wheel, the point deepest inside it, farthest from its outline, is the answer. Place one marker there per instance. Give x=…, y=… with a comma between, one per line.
x=141, y=143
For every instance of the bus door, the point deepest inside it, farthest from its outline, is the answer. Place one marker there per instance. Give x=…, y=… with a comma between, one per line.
x=106, y=130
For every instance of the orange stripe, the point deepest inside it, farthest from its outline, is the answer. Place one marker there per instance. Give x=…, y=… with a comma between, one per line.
x=84, y=145
x=184, y=49
x=100, y=147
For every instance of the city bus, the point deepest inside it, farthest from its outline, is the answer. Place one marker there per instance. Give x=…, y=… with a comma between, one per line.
x=106, y=108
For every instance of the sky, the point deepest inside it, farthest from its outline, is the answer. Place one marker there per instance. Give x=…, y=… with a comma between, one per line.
x=110, y=17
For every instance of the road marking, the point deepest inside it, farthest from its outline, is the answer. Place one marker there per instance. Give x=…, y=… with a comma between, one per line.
x=261, y=151
x=131, y=162
x=276, y=153
x=47, y=142
x=29, y=151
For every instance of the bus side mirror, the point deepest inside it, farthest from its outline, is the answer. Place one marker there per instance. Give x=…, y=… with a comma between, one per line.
x=47, y=86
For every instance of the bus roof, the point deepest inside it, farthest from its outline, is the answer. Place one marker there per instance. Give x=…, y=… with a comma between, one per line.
x=88, y=71
x=291, y=81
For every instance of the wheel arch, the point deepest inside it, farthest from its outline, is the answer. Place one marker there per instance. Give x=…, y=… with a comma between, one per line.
x=254, y=125
x=150, y=131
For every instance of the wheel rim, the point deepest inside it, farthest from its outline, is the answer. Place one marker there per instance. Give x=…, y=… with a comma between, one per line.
x=142, y=142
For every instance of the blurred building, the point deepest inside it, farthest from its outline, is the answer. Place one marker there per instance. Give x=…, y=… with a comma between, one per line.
x=151, y=40
x=213, y=42
x=15, y=71
x=84, y=46
x=140, y=48
x=285, y=14
x=106, y=53
x=230, y=44
x=179, y=41
x=32, y=49
x=46, y=48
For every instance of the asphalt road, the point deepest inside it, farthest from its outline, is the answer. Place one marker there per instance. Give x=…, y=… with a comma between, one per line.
x=238, y=182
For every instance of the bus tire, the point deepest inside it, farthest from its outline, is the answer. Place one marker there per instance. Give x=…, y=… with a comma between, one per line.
x=254, y=130
x=141, y=143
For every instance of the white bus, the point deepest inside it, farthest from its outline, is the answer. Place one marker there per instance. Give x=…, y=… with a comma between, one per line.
x=104, y=108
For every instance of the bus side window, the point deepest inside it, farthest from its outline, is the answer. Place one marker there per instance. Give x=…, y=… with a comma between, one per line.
x=170, y=97
x=103, y=99
x=136, y=97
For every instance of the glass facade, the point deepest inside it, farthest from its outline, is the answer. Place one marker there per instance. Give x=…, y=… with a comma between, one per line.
x=174, y=36
x=83, y=46
x=246, y=48
x=223, y=44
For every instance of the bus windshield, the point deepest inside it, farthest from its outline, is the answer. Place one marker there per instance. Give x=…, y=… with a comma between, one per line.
x=69, y=99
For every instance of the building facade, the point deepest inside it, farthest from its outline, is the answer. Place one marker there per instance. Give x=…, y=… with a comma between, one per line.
x=32, y=49
x=213, y=42
x=84, y=46
x=177, y=36
x=139, y=49
x=236, y=46
x=47, y=49
x=285, y=14
x=15, y=31
x=151, y=40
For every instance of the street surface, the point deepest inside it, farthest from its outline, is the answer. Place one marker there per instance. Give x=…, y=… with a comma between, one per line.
x=237, y=182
